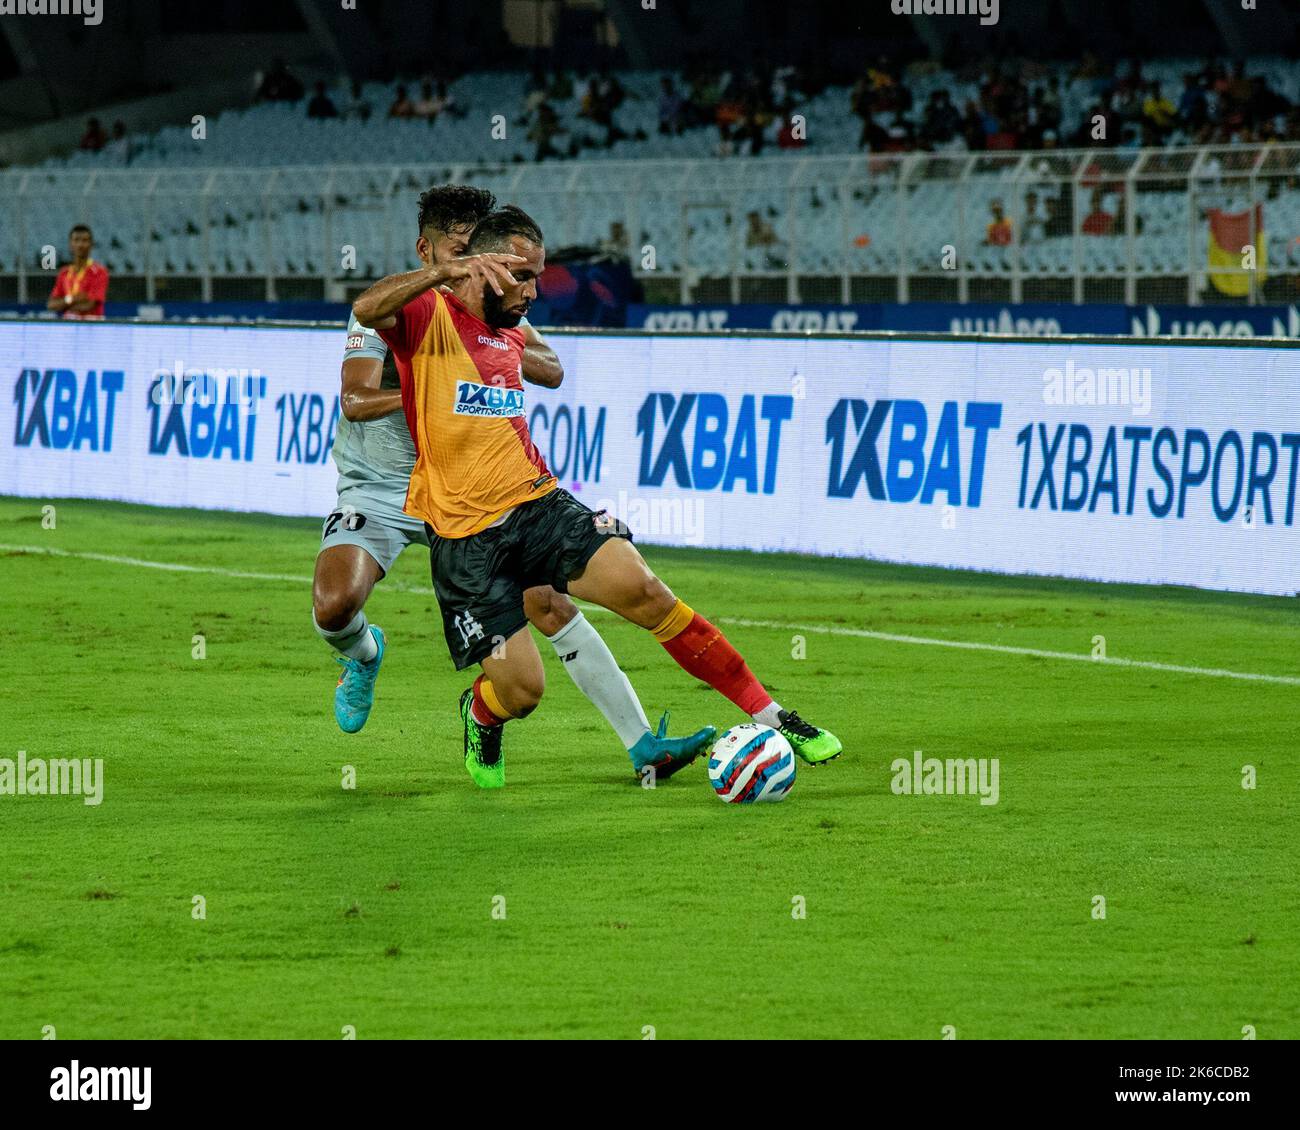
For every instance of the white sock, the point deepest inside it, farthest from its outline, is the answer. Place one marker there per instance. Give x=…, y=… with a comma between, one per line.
x=355, y=641
x=770, y=715
x=594, y=671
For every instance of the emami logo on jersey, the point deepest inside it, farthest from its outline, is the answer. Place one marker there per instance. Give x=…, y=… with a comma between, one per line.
x=474, y=399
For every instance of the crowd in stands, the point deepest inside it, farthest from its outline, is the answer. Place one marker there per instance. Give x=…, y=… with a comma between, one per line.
x=1003, y=104
x=1020, y=106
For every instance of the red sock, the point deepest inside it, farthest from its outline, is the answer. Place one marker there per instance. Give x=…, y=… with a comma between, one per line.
x=483, y=713
x=703, y=651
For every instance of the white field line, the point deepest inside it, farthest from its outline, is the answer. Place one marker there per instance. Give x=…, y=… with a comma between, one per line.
x=740, y=622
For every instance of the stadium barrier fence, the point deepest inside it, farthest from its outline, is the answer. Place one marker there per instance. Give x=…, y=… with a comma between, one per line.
x=1132, y=226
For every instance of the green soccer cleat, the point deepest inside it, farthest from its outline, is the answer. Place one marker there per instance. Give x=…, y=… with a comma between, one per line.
x=484, y=761
x=815, y=746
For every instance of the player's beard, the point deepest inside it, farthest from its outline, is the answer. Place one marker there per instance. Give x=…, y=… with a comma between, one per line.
x=495, y=313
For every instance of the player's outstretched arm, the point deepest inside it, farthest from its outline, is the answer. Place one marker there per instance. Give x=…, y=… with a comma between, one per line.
x=361, y=397
x=377, y=307
x=541, y=365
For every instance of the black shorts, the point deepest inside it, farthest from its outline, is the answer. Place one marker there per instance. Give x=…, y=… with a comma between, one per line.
x=480, y=579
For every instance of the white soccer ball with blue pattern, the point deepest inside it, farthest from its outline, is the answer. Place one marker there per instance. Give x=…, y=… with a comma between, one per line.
x=751, y=763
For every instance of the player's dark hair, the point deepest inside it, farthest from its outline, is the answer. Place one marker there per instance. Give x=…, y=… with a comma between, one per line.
x=450, y=207
x=80, y=227
x=496, y=229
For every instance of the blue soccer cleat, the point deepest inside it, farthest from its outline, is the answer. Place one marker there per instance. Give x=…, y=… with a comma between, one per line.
x=668, y=755
x=355, y=693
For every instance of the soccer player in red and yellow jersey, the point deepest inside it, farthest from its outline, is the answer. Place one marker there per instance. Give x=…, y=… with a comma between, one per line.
x=498, y=521
x=81, y=287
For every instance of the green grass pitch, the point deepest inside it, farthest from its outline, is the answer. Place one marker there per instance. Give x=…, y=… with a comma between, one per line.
x=626, y=908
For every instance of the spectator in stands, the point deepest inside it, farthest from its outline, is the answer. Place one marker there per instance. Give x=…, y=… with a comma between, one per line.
x=534, y=95
x=1158, y=111
x=357, y=106
x=791, y=135
x=1120, y=225
x=279, y=84
x=1058, y=220
x=1048, y=102
x=702, y=102
x=670, y=107
x=759, y=233
x=119, y=148
x=1034, y=227
x=781, y=89
x=941, y=121
x=445, y=102
x=1192, y=104
x=611, y=91
x=402, y=106
x=427, y=105
x=899, y=135
x=321, y=105
x=1237, y=90
x=82, y=286
x=1266, y=104
x=999, y=232
x=561, y=88
x=1124, y=104
x=751, y=131
x=726, y=146
x=94, y=139
x=1098, y=221
x=602, y=97
x=545, y=127
x=615, y=244
x=973, y=127
x=1292, y=130
x=1098, y=128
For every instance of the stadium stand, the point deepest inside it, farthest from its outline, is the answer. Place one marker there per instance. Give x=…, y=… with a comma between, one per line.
x=271, y=196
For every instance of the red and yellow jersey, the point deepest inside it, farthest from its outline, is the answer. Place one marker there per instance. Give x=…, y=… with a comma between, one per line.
x=463, y=395
x=91, y=281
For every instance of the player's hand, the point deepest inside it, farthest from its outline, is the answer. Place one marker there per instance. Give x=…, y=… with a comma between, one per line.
x=491, y=268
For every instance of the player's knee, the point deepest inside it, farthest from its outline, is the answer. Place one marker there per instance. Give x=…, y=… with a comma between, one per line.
x=560, y=612
x=335, y=609
x=547, y=610
x=655, y=600
x=521, y=696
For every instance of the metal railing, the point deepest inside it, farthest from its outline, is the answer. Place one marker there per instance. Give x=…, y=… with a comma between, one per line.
x=1120, y=225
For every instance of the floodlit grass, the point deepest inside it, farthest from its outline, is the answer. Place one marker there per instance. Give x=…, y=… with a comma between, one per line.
x=626, y=907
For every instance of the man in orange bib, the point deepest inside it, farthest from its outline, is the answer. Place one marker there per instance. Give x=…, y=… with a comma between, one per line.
x=498, y=521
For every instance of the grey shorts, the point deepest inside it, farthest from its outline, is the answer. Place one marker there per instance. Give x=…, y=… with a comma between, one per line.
x=377, y=530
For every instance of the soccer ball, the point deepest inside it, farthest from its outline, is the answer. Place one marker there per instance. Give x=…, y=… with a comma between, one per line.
x=751, y=762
